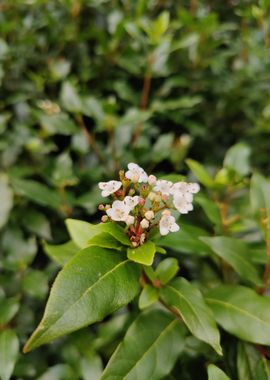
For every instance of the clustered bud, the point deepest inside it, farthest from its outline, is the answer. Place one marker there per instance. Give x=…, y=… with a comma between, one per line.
x=143, y=202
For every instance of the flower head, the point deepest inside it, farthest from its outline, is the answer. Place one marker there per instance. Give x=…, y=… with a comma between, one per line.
x=119, y=211
x=136, y=173
x=109, y=187
x=167, y=224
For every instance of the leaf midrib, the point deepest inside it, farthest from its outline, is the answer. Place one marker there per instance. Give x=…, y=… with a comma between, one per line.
x=229, y=305
x=194, y=311
x=83, y=295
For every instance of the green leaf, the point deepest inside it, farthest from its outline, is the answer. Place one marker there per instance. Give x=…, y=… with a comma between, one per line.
x=105, y=240
x=61, y=253
x=263, y=370
x=259, y=194
x=91, y=368
x=149, y=350
x=8, y=308
x=70, y=98
x=144, y=254
x=247, y=359
x=237, y=158
x=36, y=192
x=93, y=284
x=148, y=296
x=116, y=231
x=199, y=171
x=81, y=232
x=215, y=373
x=35, y=283
x=9, y=349
x=241, y=312
x=210, y=208
x=189, y=303
x=235, y=253
x=167, y=270
x=6, y=200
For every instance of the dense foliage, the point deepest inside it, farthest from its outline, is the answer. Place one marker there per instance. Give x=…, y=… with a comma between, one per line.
x=181, y=88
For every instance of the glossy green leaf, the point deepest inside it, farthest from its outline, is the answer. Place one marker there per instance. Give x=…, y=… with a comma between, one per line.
x=149, y=349
x=215, y=373
x=61, y=253
x=94, y=283
x=80, y=231
x=116, y=231
x=241, y=312
x=36, y=192
x=148, y=296
x=91, y=368
x=9, y=349
x=210, y=208
x=235, y=253
x=237, y=158
x=105, y=240
x=167, y=270
x=188, y=301
x=8, y=309
x=6, y=200
x=69, y=98
x=262, y=370
x=144, y=254
x=259, y=194
x=199, y=171
x=247, y=360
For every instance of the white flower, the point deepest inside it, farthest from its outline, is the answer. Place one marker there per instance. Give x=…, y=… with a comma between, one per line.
x=167, y=224
x=119, y=211
x=144, y=223
x=163, y=186
x=142, y=239
x=182, y=204
x=152, y=179
x=194, y=188
x=149, y=214
x=185, y=188
x=129, y=220
x=136, y=173
x=132, y=202
x=109, y=187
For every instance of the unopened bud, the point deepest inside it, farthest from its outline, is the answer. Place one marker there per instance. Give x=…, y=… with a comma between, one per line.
x=121, y=175
x=131, y=192
x=142, y=239
x=166, y=212
x=107, y=207
x=129, y=220
x=141, y=201
x=164, y=197
x=144, y=223
x=157, y=198
x=101, y=207
x=152, y=180
x=135, y=244
x=151, y=196
x=104, y=218
x=149, y=214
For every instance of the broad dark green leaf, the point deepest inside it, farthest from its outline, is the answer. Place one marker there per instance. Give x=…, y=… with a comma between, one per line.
x=189, y=303
x=247, y=360
x=144, y=254
x=116, y=231
x=149, y=349
x=94, y=283
x=210, y=208
x=215, y=373
x=241, y=312
x=80, y=231
x=105, y=240
x=262, y=370
x=9, y=349
x=61, y=253
x=236, y=253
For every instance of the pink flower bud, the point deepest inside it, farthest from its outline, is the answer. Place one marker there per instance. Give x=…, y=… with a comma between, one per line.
x=101, y=207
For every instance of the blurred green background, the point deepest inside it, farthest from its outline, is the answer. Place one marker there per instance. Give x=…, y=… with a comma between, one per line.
x=87, y=86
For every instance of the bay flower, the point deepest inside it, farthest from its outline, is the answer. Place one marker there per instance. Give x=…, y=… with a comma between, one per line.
x=131, y=202
x=182, y=204
x=167, y=224
x=119, y=211
x=109, y=187
x=163, y=186
x=135, y=173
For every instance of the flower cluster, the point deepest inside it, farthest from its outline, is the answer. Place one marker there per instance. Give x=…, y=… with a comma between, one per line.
x=143, y=202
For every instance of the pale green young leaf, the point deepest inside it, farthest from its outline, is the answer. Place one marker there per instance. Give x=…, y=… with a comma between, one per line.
x=189, y=303
x=61, y=253
x=236, y=307
x=149, y=350
x=237, y=158
x=93, y=284
x=6, y=200
x=199, y=171
x=215, y=373
x=9, y=350
x=80, y=231
x=105, y=240
x=148, y=296
x=167, y=269
x=144, y=254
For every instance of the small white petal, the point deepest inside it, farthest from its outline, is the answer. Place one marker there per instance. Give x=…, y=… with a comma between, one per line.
x=109, y=187
x=163, y=186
